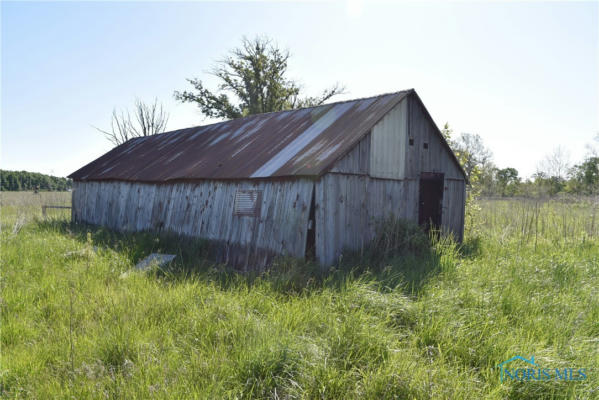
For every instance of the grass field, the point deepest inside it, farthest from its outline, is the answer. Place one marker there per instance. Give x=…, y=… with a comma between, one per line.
x=415, y=324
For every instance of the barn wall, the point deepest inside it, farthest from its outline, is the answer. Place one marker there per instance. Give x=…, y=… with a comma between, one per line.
x=392, y=157
x=357, y=161
x=341, y=215
x=349, y=207
x=204, y=210
x=454, y=200
x=388, y=144
x=437, y=157
x=350, y=199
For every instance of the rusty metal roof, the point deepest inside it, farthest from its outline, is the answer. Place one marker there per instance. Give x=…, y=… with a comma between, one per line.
x=303, y=142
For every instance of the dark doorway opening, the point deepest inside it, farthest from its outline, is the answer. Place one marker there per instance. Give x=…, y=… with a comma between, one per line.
x=311, y=238
x=430, y=204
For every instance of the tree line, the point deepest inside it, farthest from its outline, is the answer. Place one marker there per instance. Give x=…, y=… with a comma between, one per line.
x=23, y=180
x=554, y=175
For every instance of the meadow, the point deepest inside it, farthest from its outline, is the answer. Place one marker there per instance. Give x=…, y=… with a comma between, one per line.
x=407, y=320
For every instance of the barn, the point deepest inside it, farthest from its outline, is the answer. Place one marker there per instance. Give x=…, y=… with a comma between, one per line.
x=311, y=181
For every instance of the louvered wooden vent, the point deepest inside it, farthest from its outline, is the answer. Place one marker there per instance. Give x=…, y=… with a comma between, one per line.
x=247, y=202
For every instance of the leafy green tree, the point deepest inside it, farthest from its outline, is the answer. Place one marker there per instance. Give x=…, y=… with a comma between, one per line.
x=507, y=181
x=546, y=184
x=447, y=132
x=472, y=154
x=252, y=81
x=585, y=177
x=476, y=161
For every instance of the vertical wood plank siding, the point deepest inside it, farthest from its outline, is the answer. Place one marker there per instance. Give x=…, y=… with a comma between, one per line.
x=453, y=208
x=434, y=159
x=349, y=200
x=348, y=208
x=356, y=161
x=378, y=178
x=204, y=210
x=389, y=140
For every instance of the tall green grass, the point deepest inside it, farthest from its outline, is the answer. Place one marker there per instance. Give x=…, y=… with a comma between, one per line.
x=402, y=320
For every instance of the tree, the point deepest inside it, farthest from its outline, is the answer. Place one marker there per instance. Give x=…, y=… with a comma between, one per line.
x=585, y=176
x=255, y=75
x=472, y=153
x=487, y=179
x=148, y=119
x=552, y=171
x=447, y=132
x=556, y=164
x=474, y=157
x=507, y=181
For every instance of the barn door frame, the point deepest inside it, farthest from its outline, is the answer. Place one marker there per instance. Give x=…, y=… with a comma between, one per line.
x=431, y=189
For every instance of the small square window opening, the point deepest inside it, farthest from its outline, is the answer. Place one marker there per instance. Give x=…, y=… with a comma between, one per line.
x=425, y=145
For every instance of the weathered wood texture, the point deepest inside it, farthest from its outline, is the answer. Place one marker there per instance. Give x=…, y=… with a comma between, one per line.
x=388, y=144
x=356, y=161
x=204, y=210
x=454, y=198
x=422, y=129
x=348, y=208
x=350, y=200
x=378, y=178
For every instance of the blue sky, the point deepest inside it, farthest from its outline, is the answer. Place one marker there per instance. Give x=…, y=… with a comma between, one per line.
x=523, y=75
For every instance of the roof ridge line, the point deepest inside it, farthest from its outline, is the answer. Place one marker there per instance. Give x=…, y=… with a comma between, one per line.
x=281, y=111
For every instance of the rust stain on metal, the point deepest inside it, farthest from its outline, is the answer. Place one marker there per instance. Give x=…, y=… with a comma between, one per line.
x=303, y=142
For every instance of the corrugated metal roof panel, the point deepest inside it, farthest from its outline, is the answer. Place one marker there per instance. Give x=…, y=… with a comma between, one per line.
x=303, y=142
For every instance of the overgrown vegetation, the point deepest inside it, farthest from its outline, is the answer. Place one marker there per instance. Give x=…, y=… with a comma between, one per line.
x=405, y=319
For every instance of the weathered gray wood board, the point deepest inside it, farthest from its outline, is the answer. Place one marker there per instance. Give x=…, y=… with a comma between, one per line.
x=379, y=178
x=436, y=158
x=348, y=208
x=388, y=144
x=203, y=210
x=356, y=161
x=454, y=197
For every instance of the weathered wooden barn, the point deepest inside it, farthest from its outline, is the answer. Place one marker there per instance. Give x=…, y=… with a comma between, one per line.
x=307, y=181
